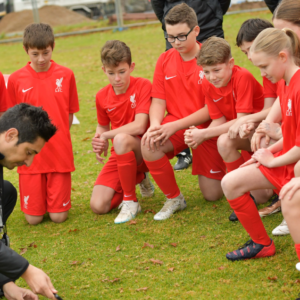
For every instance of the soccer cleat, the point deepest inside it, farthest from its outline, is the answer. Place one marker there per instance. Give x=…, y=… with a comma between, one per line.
x=146, y=187
x=252, y=250
x=298, y=266
x=129, y=210
x=233, y=217
x=170, y=207
x=273, y=208
x=281, y=229
x=183, y=162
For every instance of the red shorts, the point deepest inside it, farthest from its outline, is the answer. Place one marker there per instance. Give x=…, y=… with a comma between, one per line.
x=279, y=176
x=40, y=193
x=206, y=158
x=109, y=175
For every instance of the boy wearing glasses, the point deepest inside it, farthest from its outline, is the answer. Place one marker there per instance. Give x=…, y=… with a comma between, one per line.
x=177, y=89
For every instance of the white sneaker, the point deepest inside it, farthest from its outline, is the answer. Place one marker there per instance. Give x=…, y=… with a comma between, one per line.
x=282, y=229
x=298, y=266
x=171, y=206
x=129, y=210
x=146, y=187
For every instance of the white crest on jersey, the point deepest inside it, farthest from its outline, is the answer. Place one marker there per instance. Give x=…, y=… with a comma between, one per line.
x=132, y=100
x=201, y=76
x=59, y=85
x=26, y=198
x=289, y=110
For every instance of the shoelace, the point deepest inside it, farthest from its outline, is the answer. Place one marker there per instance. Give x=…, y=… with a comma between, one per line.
x=167, y=206
x=124, y=207
x=248, y=243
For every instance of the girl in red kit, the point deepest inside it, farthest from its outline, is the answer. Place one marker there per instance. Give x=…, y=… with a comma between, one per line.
x=276, y=53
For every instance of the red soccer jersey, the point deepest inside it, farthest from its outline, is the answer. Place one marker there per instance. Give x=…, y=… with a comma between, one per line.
x=120, y=110
x=243, y=94
x=270, y=89
x=4, y=100
x=179, y=83
x=54, y=90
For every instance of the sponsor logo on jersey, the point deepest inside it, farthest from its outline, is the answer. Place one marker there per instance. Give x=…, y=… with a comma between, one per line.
x=59, y=85
x=24, y=91
x=289, y=110
x=26, y=198
x=201, y=77
x=168, y=78
x=132, y=100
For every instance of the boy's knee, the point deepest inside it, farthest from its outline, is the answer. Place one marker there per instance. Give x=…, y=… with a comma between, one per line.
x=34, y=220
x=227, y=184
x=224, y=144
x=121, y=143
x=99, y=207
x=212, y=196
x=59, y=217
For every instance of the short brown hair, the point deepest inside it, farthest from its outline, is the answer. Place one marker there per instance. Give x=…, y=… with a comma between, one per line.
x=38, y=36
x=288, y=10
x=250, y=30
x=114, y=52
x=182, y=13
x=214, y=51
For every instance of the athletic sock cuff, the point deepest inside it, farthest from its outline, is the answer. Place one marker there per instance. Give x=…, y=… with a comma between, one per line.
x=231, y=166
x=157, y=164
x=129, y=156
x=239, y=202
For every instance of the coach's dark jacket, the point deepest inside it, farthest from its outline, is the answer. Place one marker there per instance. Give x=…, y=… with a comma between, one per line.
x=272, y=4
x=12, y=265
x=209, y=13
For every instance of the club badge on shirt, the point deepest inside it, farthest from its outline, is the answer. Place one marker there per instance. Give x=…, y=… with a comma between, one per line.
x=132, y=100
x=289, y=110
x=201, y=76
x=59, y=85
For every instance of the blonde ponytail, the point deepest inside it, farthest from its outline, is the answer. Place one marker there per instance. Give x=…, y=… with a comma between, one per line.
x=272, y=41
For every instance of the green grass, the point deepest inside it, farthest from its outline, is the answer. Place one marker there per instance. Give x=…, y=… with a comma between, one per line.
x=202, y=232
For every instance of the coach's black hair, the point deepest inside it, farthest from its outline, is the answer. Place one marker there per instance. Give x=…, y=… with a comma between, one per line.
x=30, y=121
x=250, y=29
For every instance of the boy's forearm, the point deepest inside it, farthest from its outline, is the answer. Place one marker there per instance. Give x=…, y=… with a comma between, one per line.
x=134, y=128
x=157, y=111
x=276, y=146
x=100, y=129
x=257, y=117
x=274, y=115
x=215, y=129
x=197, y=118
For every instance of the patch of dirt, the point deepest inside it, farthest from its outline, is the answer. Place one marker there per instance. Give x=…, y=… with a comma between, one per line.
x=52, y=14
x=247, y=5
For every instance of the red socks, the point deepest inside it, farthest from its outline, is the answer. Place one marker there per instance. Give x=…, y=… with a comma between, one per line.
x=116, y=200
x=297, y=247
x=127, y=168
x=163, y=174
x=247, y=214
x=230, y=166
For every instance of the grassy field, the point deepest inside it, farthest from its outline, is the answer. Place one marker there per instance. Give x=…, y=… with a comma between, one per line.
x=80, y=255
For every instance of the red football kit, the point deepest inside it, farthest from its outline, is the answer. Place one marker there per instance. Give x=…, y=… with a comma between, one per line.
x=179, y=83
x=121, y=172
x=243, y=94
x=243, y=206
x=289, y=97
x=4, y=102
x=55, y=90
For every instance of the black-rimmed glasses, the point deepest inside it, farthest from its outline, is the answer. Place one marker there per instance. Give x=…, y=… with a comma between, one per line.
x=180, y=38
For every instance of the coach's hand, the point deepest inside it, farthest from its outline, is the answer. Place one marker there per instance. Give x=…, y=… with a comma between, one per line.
x=39, y=282
x=13, y=292
x=290, y=189
x=148, y=139
x=162, y=133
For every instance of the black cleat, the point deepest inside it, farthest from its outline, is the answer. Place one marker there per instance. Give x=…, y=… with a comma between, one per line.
x=184, y=160
x=233, y=217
